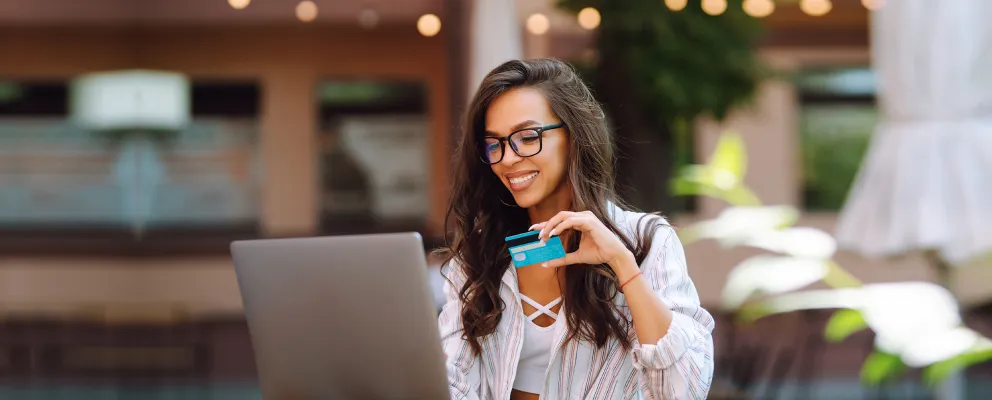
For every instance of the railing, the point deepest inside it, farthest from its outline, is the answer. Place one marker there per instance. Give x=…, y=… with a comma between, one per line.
x=56, y=176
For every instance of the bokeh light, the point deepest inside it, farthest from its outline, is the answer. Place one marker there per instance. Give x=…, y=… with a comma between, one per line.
x=714, y=7
x=429, y=25
x=759, y=8
x=538, y=24
x=589, y=18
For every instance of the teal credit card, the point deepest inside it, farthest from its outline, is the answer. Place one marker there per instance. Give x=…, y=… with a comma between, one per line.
x=526, y=249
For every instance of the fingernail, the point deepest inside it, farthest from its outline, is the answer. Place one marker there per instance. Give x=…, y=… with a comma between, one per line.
x=551, y=234
x=545, y=265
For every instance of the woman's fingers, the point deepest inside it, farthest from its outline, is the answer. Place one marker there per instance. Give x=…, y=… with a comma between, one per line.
x=552, y=223
x=576, y=222
x=569, y=259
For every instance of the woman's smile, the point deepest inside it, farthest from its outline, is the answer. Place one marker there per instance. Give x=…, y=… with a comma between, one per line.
x=520, y=181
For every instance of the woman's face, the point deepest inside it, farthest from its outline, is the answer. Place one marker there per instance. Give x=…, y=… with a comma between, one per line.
x=532, y=179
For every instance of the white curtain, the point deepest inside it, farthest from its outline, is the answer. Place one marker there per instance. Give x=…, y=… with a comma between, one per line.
x=495, y=38
x=926, y=182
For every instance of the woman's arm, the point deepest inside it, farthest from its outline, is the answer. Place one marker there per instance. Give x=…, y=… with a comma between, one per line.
x=463, y=370
x=675, y=356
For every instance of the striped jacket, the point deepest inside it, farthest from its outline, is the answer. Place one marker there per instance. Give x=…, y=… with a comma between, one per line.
x=679, y=366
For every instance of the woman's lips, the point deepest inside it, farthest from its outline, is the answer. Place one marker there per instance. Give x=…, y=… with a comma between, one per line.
x=521, y=182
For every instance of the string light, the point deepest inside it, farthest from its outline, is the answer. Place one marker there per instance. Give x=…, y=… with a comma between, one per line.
x=873, y=4
x=714, y=7
x=429, y=25
x=676, y=5
x=238, y=4
x=306, y=11
x=759, y=8
x=816, y=8
x=538, y=24
x=589, y=18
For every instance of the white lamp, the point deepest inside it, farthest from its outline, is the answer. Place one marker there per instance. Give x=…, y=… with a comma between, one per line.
x=131, y=100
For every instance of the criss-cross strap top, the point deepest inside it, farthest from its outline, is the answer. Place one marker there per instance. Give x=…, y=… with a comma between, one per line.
x=541, y=309
x=535, y=354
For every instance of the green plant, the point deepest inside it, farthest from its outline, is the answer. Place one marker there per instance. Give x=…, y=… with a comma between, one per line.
x=917, y=324
x=682, y=64
x=657, y=70
x=834, y=141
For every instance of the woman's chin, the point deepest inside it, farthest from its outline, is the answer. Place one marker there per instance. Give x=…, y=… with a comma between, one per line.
x=524, y=201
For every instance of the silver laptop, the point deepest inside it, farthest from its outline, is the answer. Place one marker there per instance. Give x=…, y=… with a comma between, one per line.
x=345, y=317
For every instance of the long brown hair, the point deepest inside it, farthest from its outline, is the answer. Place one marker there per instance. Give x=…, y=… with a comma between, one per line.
x=481, y=217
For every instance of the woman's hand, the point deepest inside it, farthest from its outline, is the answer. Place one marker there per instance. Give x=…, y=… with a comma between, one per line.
x=599, y=245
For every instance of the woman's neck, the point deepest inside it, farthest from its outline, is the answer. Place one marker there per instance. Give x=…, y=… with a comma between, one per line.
x=560, y=200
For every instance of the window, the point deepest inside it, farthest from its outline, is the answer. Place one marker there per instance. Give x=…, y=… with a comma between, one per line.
x=375, y=152
x=63, y=181
x=837, y=118
x=53, y=175
x=206, y=177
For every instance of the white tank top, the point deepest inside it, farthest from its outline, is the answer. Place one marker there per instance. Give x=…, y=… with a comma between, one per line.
x=535, y=355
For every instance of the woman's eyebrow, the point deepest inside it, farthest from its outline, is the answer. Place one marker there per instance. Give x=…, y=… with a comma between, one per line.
x=516, y=127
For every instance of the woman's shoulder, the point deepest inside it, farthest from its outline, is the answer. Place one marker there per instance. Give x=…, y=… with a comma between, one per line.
x=451, y=268
x=634, y=222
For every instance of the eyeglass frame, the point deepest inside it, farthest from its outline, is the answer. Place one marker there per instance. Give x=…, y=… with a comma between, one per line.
x=502, y=142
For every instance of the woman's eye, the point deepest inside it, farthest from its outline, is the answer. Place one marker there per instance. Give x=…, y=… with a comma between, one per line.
x=530, y=137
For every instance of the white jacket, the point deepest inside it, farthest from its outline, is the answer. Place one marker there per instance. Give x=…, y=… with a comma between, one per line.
x=679, y=366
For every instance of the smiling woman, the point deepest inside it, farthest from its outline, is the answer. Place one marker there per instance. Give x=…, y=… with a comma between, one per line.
x=527, y=140
x=537, y=156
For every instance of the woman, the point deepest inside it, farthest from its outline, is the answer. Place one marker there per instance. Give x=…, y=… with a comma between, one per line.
x=618, y=317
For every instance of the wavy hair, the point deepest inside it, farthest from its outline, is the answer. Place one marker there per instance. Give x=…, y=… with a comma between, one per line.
x=480, y=220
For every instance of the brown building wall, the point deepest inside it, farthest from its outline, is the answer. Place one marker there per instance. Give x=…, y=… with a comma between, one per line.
x=288, y=61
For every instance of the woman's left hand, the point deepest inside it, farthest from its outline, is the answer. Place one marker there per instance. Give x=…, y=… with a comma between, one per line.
x=599, y=245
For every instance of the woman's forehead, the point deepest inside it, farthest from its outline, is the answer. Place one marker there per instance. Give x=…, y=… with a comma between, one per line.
x=517, y=109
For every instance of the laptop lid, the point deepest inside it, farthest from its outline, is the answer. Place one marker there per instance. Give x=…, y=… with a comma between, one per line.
x=342, y=317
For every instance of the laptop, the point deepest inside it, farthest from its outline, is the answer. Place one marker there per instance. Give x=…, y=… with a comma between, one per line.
x=341, y=317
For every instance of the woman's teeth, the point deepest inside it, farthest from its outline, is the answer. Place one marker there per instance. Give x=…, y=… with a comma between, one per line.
x=523, y=179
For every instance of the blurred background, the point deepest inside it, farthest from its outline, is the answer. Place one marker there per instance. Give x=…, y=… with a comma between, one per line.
x=138, y=138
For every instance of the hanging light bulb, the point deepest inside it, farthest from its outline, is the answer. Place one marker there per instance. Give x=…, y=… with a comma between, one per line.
x=676, y=5
x=238, y=4
x=306, y=11
x=873, y=4
x=538, y=24
x=589, y=18
x=816, y=8
x=429, y=25
x=714, y=7
x=759, y=8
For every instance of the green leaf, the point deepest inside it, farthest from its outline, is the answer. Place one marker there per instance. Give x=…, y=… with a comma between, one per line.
x=880, y=367
x=685, y=186
x=741, y=196
x=769, y=274
x=838, y=278
x=939, y=371
x=731, y=156
x=750, y=313
x=682, y=186
x=843, y=323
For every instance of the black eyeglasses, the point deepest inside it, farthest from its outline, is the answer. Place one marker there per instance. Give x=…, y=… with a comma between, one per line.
x=525, y=142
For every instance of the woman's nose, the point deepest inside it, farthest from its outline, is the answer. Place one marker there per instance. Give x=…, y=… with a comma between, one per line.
x=510, y=157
